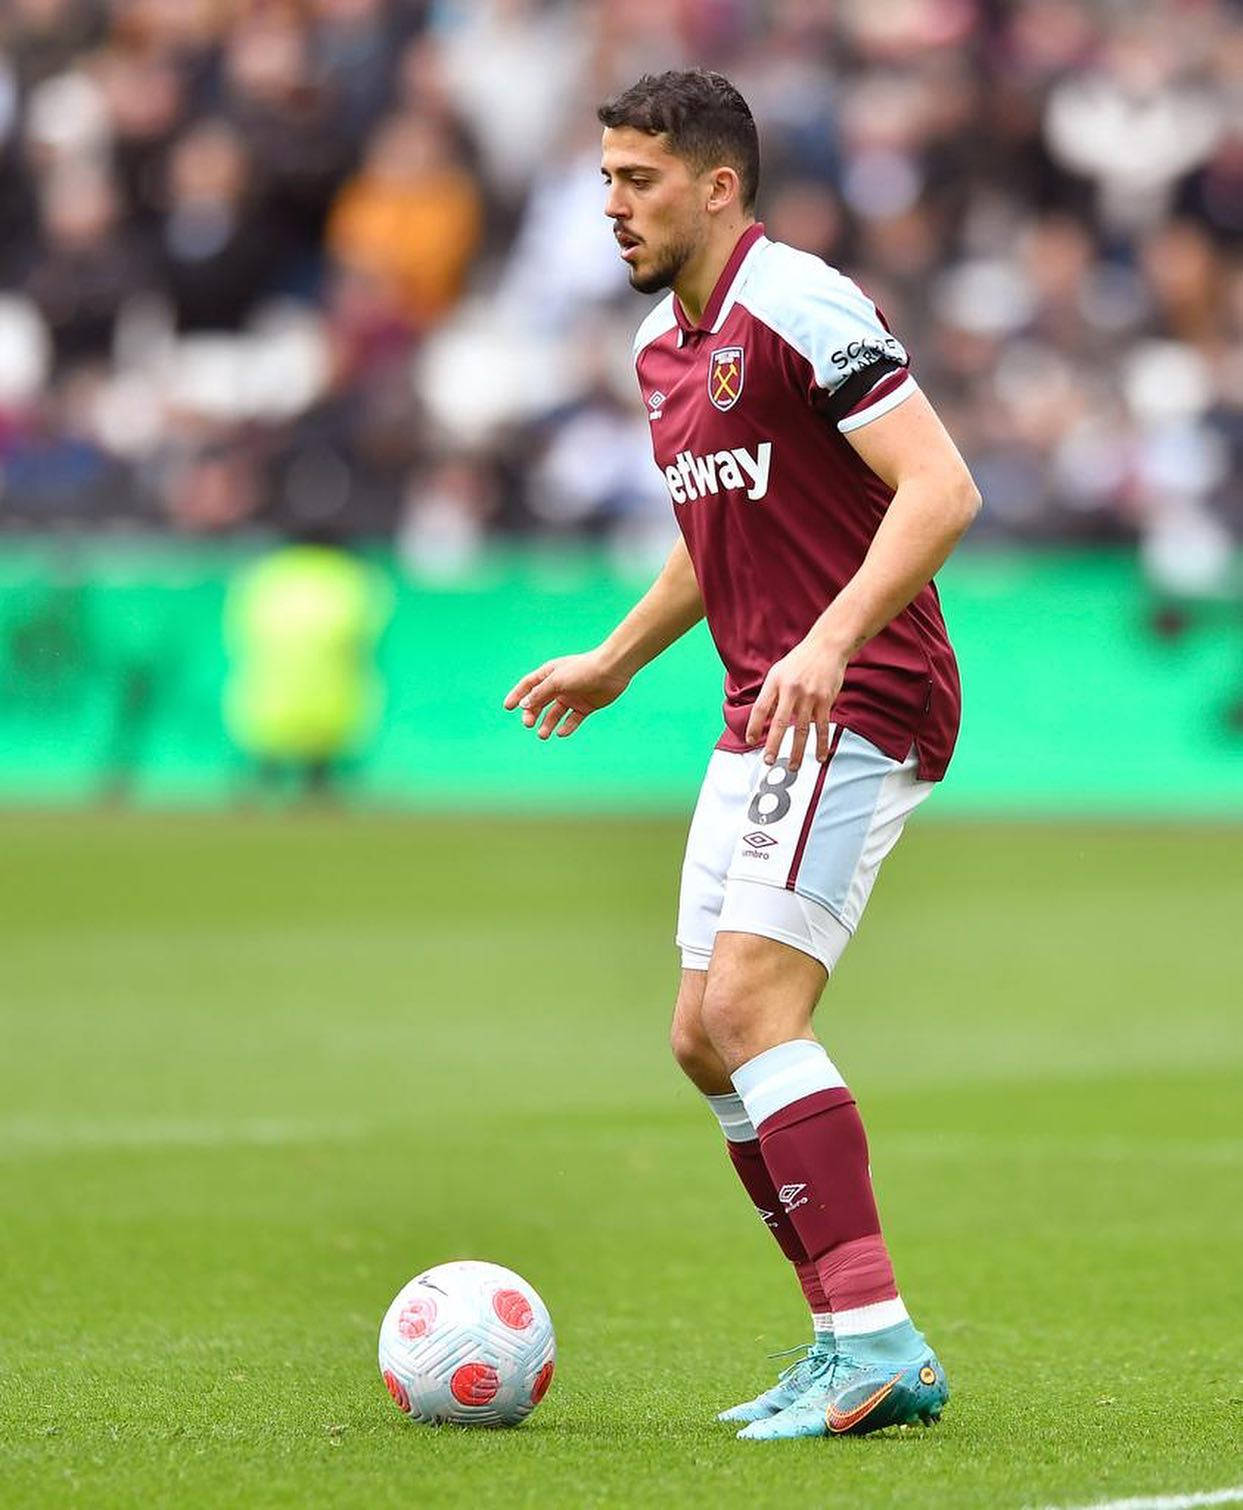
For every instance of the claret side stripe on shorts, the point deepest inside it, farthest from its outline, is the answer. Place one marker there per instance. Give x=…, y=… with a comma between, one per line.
x=809, y=817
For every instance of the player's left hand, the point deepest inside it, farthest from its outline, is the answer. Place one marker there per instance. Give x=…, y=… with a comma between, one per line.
x=798, y=692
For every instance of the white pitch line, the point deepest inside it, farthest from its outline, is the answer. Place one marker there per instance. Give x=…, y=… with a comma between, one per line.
x=31, y=1137
x=1163, y=1501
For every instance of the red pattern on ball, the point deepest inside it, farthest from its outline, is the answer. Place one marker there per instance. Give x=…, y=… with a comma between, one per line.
x=475, y=1384
x=416, y=1318
x=542, y=1380
x=514, y=1309
x=398, y=1391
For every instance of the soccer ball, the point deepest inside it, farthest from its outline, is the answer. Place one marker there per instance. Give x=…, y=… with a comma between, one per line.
x=467, y=1342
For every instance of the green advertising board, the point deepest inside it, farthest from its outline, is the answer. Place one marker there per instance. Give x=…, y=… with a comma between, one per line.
x=123, y=666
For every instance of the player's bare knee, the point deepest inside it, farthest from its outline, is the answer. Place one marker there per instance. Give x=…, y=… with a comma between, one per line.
x=757, y=995
x=727, y=1020
x=690, y=1044
x=693, y=1050
x=684, y=1044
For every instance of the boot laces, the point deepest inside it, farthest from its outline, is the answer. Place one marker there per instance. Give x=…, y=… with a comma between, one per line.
x=815, y=1362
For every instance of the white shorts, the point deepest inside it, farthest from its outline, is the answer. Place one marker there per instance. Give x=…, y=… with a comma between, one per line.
x=791, y=858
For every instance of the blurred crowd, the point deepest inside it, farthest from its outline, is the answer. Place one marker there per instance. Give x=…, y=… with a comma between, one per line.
x=338, y=268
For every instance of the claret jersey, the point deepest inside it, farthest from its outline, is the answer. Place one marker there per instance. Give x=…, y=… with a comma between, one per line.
x=748, y=412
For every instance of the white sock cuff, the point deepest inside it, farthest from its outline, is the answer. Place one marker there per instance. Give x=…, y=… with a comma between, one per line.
x=779, y=1077
x=732, y=1115
x=873, y=1318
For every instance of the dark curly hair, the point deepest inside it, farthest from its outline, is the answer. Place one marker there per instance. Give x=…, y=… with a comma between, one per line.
x=704, y=118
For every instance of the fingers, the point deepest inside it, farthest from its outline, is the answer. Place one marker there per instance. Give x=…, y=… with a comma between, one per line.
x=761, y=712
x=556, y=711
x=822, y=739
x=781, y=721
x=804, y=721
x=802, y=718
x=798, y=745
x=536, y=699
x=541, y=698
x=520, y=689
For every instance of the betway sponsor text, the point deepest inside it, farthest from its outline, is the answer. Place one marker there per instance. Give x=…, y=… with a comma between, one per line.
x=690, y=476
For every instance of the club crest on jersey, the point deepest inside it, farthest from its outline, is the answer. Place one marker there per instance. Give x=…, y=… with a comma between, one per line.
x=725, y=376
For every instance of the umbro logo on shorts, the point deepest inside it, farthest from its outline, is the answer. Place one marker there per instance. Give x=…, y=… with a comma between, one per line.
x=758, y=840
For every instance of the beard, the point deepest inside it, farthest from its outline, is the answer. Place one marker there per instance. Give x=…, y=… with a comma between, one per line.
x=664, y=273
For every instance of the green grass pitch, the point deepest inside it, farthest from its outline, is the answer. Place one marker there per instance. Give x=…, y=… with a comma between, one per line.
x=256, y=1073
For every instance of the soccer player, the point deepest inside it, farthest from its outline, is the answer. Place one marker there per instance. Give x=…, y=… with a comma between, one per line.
x=816, y=493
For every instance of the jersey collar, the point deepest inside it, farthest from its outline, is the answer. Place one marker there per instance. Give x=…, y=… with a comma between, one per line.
x=724, y=283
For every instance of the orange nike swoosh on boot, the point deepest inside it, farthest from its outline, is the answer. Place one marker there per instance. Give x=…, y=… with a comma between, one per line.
x=837, y=1421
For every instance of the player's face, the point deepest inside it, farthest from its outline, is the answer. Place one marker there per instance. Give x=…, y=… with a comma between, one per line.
x=656, y=204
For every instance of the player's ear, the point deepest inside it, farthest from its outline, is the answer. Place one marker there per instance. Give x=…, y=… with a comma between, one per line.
x=724, y=189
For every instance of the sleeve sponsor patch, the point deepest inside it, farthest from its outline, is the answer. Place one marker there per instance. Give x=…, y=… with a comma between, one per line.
x=831, y=322
x=859, y=355
x=853, y=391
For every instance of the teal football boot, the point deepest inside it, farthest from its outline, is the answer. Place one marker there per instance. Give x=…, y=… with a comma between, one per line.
x=855, y=1396
x=791, y=1383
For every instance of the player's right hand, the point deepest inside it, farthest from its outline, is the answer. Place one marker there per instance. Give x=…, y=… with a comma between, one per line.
x=564, y=691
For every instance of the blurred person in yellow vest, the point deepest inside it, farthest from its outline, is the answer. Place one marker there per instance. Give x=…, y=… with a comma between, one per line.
x=304, y=692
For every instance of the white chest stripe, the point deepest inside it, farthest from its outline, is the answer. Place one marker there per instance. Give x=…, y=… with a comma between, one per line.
x=691, y=476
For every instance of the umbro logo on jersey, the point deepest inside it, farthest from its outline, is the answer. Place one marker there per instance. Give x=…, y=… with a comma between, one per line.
x=725, y=376
x=655, y=405
x=692, y=476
